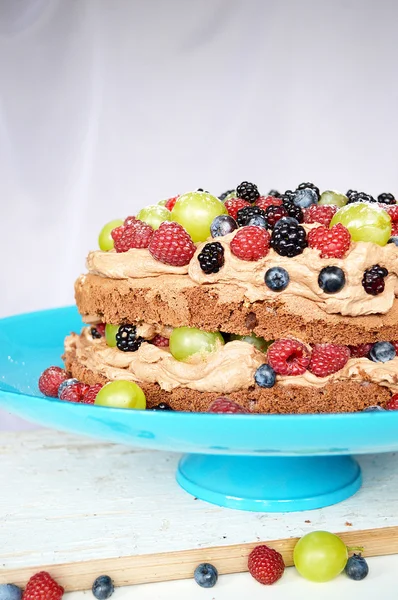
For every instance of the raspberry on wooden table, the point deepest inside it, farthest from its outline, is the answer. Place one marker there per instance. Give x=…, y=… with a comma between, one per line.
x=288, y=357
x=234, y=204
x=251, y=243
x=333, y=243
x=50, y=380
x=225, y=406
x=172, y=245
x=74, y=392
x=328, y=358
x=42, y=587
x=266, y=565
x=320, y=214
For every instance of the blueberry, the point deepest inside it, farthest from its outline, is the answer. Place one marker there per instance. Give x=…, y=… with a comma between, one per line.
x=9, y=591
x=258, y=221
x=331, y=280
x=356, y=567
x=265, y=376
x=222, y=225
x=305, y=197
x=277, y=279
x=373, y=409
x=393, y=240
x=283, y=220
x=206, y=575
x=162, y=406
x=65, y=384
x=103, y=587
x=382, y=352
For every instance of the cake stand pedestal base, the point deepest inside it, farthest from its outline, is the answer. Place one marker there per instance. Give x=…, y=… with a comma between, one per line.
x=269, y=484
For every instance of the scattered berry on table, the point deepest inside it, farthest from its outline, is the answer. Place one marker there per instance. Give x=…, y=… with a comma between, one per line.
x=320, y=214
x=43, y=587
x=356, y=568
x=225, y=406
x=211, y=258
x=247, y=191
x=382, y=352
x=360, y=351
x=74, y=392
x=288, y=357
x=373, y=280
x=136, y=235
x=288, y=239
x=90, y=395
x=50, y=380
x=309, y=186
x=65, y=384
x=375, y=408
x=331, y=280
x=171, y=202
x=223, y=225
x=247, y=213
x=294, y=211
x=265, y=376
x=103, y=587
x=274, y=213
x=234, y=204
x=277, y=279
x=386, y=198
x=392, y=404
x=258, y=221
x=265, y=201
x=251, y=243
x=160, y=341
x=274, y=193
x=9, y=591
x=225, y=195
x=172, y=245
x=206, y=575
x=266, y=565
x=127, y=339
x=333, y=243
x=305, y=198
x=328, y=358
x=162, y=407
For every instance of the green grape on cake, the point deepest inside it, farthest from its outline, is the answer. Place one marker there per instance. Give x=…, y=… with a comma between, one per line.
x=333, y=197
x=105, y=240
x=195, y=211
x=365, y=222
x=254, y=340
x=110, y=334
x=188, y=342
x=154, y=215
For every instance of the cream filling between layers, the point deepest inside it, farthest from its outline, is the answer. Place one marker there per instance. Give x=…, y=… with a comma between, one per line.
x=231, y=368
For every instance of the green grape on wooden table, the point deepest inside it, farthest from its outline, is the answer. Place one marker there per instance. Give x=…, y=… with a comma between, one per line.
x=186, y=342
x=320, y=556
x=154, y=215
x=195, y=211
x=105, y=240
x=365, y=222
x=121, y=394
x=333, y=197
x=258, y=342
x=110, y=334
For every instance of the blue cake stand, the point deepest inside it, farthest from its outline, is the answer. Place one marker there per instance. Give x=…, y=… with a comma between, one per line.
x=268, y=463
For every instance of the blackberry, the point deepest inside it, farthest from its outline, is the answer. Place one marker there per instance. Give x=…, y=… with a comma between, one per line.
x=309, y=186
x=294, y=211
x=248, y=212
x=211, y=258
x=274, y=213
x=274, y=194
x=288, y=196
x=386, y=199
x=360, y=197
x=350, y=193
x=126, y=338
x=289, y=239
x=95, y=333
x=202, y=190
x=247, y=191
x=162, y=406
x=225, y=194
x=373, y=280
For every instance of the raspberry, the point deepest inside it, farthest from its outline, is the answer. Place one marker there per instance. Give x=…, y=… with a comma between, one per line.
x=225, y=406
x=395, y=344
x=392, y=404
x=42, y=587
x=90, y=395
x=386, y=199
x=394, y=229
x=74, y=392
x=360, y=351
x=98, y=331
x=274, y=213
x=333, y=243
x=373, y=280
x=393, y=212
x=327, y=359
x=320, y=214
x=130, y=221
x=247, y=213
x=288, y=357
x=234, y=204
x=266, y=565
x=160, y=341
x=288, y=239
x=50, y=380
x=136, y=235
x=171, y=202
x=248, y=191
x=172, y=245
x=100, y=327
x=265, y=201
x=251, y=243
x=211, y=258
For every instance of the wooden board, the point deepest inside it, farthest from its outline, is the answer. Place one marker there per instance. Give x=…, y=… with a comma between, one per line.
x=79, y=508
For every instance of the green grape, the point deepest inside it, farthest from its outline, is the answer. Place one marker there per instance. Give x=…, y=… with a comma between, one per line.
x=110, y=334
x=121, y=394
x=105, y=240
x=258, y=342
x=195, y=211
x=154, y=215
x=230, y=196
x=320, y=556
x=333, y=197
x=185, y=342
x=365, y=222
x=162, y=202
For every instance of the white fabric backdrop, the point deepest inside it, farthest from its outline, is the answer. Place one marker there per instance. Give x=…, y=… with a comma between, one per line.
x=107, y=105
